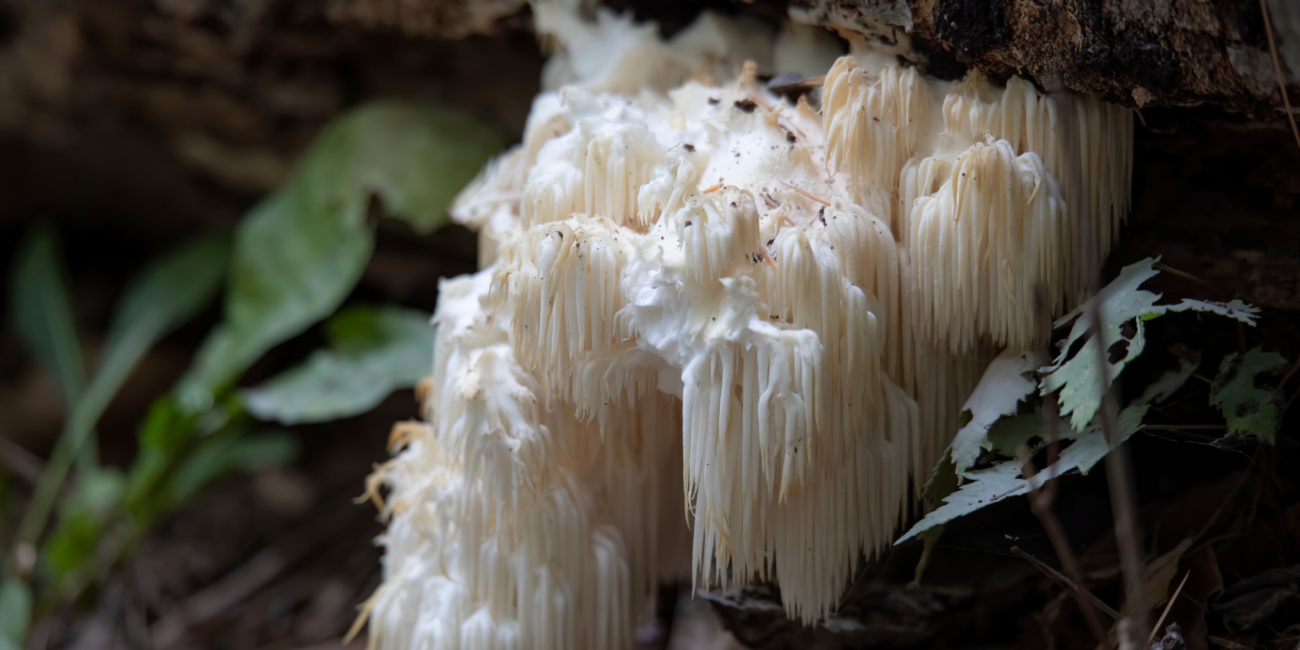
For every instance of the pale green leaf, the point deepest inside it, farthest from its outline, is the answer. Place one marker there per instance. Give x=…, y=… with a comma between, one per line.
x=15, y=612
x=42, y=311
x=1004, y=479
x=218, y=455
x=300, y=252
x=1248, y=409
x=1170, y=382
x=374, y=352
x=999, y=392
x=1120, y=302
x=1008, y=435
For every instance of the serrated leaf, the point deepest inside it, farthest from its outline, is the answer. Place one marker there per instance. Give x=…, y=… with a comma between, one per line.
x=300, y=252
x=375, y=352
x=1119, y=303
x=1003, y=479
x=1248, y=410
x=999, y=392
x=42, y=311
x=15, y=612
x=1008, y=435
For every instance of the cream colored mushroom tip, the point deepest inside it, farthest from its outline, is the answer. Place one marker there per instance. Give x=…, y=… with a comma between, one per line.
x=720, y=334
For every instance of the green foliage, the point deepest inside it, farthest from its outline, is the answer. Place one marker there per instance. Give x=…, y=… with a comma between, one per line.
x=295, y=257
x=165, y=295
x=1247, y=408
x=42, y=314
x=234, y=451
x=15, y=613
x=374, y=352
x=998, y=393
x=300, y=252
x=1004, y=479
x=1121, y=302
x=990, y=421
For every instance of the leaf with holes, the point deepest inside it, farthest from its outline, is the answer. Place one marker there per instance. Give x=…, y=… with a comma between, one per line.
x=1123, y=307
x=1003, y=479
x=1248, y=408
x=1008, y=380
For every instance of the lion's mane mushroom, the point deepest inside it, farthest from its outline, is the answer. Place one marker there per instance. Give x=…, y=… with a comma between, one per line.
x=776, y=312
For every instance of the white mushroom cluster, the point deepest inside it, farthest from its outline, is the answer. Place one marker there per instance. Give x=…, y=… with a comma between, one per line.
x=721, y=335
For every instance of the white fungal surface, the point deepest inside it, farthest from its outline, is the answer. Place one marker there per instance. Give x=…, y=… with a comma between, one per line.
x=720, y=335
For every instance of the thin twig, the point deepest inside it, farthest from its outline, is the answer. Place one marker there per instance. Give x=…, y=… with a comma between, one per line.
x=1185, y=427
x=1066, y=583
x=1277, y=70
x=1042, y=498
x=1119, y=484
x=1151, y=637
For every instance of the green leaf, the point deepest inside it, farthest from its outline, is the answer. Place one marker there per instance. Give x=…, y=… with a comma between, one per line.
x=42, y=311
x=1120, y=302
x=375, y=352
x=300, y=252
x=167, y=293
x=1003, y=479
x=218, y=455
x=73, y=543
x=999, y=392
x=1008, y=435
x=1249, y=410
x=15, y=613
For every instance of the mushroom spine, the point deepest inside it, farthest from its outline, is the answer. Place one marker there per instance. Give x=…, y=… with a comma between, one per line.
x=720, y=334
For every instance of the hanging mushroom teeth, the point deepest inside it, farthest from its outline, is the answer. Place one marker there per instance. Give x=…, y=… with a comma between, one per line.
x=770, y=331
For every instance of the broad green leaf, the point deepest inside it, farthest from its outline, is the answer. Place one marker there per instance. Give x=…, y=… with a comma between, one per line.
x=1003, y=479
x=1248, y=409
x=15, y=613
x=42, y=311
x=167, y=293
x=218, y=455
x=1120, y=302
x=374, y=352
x=73, y=543
x=300, y=252
x=999, y=392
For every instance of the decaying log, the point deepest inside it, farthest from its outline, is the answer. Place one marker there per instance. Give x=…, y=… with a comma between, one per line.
x=1139, y=52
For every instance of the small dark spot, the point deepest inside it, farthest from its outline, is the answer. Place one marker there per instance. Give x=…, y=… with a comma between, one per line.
x=875, y=119
x=688, y=224
x=789, y=137
x=769, y=242
x=733, y=204
x=713, y=101
x=689, y=147
x=746, y=105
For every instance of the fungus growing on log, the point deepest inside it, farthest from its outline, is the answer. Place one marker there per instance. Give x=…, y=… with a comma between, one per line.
x=718, y=304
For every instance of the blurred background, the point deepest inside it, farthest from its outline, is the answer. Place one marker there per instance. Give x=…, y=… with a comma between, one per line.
x=223, y=223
